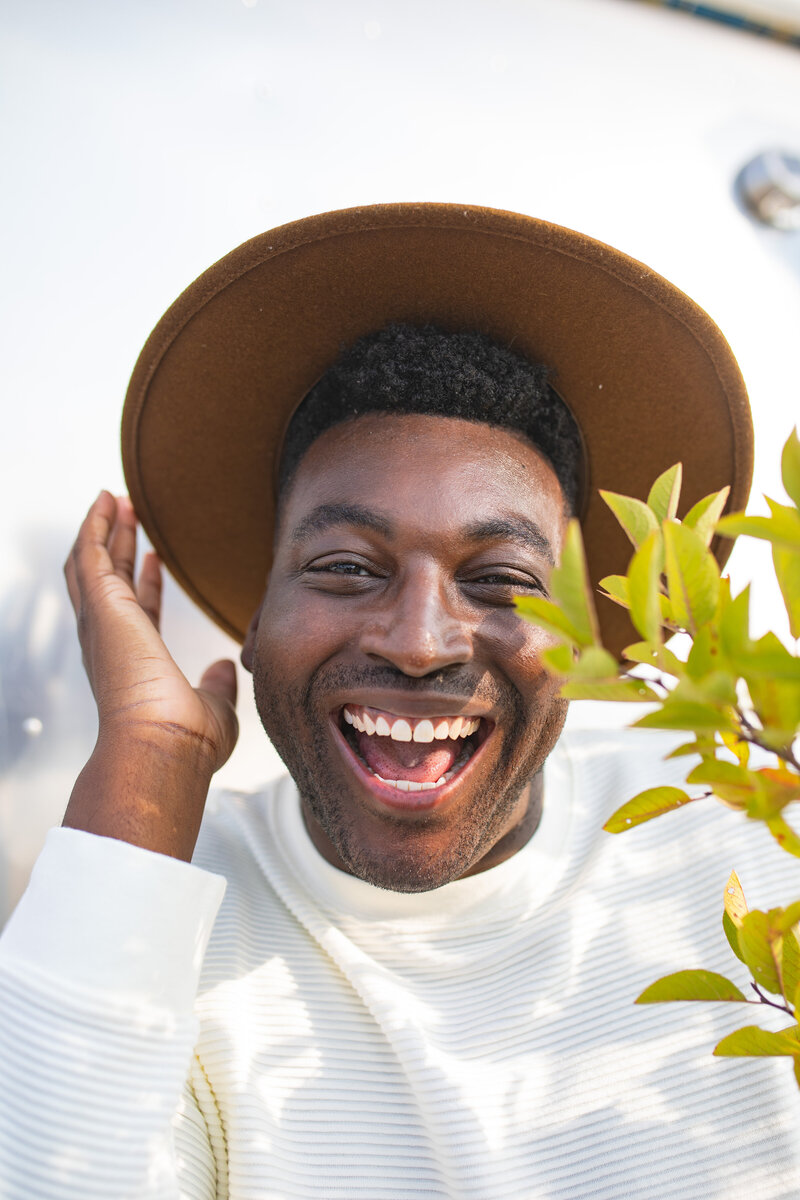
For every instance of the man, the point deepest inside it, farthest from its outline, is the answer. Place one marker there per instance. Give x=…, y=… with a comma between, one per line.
x=419, y=980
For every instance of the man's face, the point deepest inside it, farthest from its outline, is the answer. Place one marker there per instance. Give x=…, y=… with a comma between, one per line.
x=391, y=670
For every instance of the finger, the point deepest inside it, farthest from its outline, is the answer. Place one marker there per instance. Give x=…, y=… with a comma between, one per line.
x=122, y=542
x=151, y=587
x=220, y=680
x=89, y=554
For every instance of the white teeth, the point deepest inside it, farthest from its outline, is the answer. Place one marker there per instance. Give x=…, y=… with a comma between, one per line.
x=408, y=785
x=401, y=729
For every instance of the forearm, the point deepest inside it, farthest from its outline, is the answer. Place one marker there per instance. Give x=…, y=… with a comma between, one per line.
x=149, y=790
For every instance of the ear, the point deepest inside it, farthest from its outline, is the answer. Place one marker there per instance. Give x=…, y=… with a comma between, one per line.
x=246, y=657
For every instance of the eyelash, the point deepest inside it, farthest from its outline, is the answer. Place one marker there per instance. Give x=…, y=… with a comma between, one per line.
x=355, y=570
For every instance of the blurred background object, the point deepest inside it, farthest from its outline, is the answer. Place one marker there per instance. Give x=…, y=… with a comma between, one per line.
x=141, y=142
x=766, y=18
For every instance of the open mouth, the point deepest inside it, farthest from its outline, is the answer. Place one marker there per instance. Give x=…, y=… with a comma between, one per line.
x=411, y=754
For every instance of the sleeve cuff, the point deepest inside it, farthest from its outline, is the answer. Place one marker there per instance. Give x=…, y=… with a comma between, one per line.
x=106, y=916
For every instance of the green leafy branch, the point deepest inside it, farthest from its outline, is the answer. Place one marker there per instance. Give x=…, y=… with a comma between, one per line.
x=730, y=693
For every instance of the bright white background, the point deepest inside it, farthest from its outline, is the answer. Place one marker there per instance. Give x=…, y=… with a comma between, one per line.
x=141, y=142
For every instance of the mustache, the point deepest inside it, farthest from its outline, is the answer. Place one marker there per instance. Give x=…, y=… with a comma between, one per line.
x=455, y=681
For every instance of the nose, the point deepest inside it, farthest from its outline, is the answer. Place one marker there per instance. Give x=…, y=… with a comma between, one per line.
x=418, y=628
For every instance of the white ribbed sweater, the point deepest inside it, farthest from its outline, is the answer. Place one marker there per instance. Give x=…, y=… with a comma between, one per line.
x=478, y=1041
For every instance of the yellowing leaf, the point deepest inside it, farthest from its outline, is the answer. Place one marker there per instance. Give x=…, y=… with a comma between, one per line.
x=790, y=467
x=569, y=584
x=635, y=517
x=665, y=493
x=692, y=577
x=691, y=985
x=644, y=586
x=653, y=802
x=735, y=903
x=752, y=1042
x=784, y=835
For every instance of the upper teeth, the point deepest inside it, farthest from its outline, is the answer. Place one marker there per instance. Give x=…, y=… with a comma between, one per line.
x=407, y=729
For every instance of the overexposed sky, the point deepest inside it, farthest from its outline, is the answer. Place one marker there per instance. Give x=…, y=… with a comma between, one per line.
x=142, y=141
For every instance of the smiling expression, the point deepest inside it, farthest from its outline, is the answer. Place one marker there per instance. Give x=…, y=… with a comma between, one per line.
x=391, y=670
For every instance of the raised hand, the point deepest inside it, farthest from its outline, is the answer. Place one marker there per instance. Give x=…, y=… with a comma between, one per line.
x=159, y=739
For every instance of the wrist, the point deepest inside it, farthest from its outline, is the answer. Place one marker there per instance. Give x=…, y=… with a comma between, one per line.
x=148, y=789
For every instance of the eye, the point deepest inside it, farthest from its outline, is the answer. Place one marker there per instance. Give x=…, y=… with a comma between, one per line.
x=500, y=585
x=343, y=575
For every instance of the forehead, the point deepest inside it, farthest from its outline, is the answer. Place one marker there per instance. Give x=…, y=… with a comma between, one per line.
x=417, y=463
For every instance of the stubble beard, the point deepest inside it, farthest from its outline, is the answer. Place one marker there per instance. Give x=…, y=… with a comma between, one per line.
x=414, y=864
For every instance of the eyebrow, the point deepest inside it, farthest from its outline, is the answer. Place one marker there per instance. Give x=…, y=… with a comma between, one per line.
x=513, y=528
x=324, y=516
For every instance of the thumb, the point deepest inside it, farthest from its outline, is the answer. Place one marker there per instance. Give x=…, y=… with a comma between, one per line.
x=220, y=680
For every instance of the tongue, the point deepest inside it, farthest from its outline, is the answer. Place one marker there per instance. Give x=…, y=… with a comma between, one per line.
x=421, y=762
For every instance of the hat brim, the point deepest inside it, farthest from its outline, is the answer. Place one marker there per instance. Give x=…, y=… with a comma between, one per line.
x=647, y=375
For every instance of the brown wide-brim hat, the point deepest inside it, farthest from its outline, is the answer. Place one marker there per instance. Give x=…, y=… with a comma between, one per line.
x=647, y=375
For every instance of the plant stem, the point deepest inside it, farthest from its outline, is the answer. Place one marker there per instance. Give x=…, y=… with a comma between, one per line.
x=772, y=1003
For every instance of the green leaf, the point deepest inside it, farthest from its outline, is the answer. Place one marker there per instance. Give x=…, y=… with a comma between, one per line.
x=703, y=516
x=782, y=528
x=656, y=655
x=686, y=714
x=734, y=624
x=635, y=517
x=644, y=586
x=653, y=802
x=692, y=577
x=595, y=663
x=691, y=985
x=665, y=493
x=790, y=965
x=732, y=934
x=762, y=946
x=787, y=572
x=729, y=781
x=752, y=1042
x=616, y=588
x=633, y=691
x=704, y=747
x=569, y=584
x=790, y=467
x=549, y=616
x=558, y=659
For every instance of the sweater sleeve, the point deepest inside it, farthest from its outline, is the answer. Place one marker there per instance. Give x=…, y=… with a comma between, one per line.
x=99, y=968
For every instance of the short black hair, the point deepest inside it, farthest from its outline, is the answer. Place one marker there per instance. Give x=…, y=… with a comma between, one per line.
x=426, y=370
